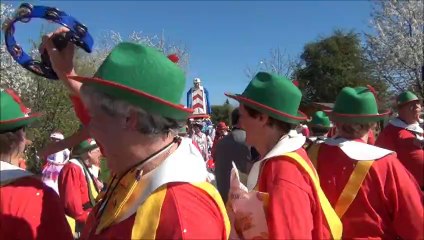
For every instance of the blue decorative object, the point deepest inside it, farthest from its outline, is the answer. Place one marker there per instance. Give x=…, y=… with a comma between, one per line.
x=78, y=34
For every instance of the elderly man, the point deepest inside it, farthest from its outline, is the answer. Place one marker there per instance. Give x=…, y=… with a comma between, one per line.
x=296, y=207
x=405, y=136
x=159, y=188
x=368, y=187
x=28, y=208
x=78, y=188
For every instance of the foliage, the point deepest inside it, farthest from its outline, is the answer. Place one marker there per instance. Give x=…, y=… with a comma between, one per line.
x=331, y=63
x=396, y=48
x=222, y=113
x=51, y=97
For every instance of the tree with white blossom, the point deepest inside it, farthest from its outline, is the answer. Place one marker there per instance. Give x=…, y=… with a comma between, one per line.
x=396, y=48
x=51, y=97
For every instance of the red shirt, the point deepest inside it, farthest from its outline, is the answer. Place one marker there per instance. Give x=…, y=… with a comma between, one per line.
x=388, y=204
x=294, y=209
x=408, y=151
x=73, y=192
x=31, y=210
x=186, y=213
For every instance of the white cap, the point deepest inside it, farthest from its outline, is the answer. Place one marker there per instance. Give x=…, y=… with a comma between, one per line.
x=197, y=80
x=57, y=135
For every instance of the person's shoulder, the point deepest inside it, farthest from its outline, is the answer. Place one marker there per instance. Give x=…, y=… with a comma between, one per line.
x=32, y=187
x=187, y=193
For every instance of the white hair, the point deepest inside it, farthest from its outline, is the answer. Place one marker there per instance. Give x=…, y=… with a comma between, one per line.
x=148, y=124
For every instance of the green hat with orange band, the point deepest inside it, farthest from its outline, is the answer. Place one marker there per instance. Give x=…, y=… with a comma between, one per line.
x=273, y=95
x=356, y=105
x=144, y=77
x=406, y=97
x=13, y=113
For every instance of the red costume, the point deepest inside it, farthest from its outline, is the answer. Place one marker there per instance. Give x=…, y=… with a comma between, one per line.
x=297, y=207
x=409, y=151
x=184, y=212
x=161, y=204
x=294, y=209
x=29, y=209
x=73, y=192
x=388, y=203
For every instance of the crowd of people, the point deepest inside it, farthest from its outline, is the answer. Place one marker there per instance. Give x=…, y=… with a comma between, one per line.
x=322, y=177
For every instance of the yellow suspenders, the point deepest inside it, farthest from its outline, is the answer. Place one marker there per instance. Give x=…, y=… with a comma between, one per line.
x=353, y=184
x=336, y=227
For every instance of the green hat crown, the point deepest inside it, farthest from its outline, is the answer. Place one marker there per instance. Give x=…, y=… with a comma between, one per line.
x=144, y=77
x=13, y=113
x=85, y=146
x=356, y=105
x=274, y=95
x=321, y=119
x=406, y=97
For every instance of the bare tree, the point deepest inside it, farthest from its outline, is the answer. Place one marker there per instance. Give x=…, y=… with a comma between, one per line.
x=278, y=62
x=90, y=62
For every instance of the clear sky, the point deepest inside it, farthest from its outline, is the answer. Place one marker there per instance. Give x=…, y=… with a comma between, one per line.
x=223, y=37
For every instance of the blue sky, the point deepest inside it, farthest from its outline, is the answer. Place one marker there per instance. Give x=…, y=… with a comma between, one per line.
x=223, y=37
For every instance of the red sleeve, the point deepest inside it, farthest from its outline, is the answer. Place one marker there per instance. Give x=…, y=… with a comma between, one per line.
x=291, y=201
x=406, y=199
x=31, y=210
x=80, y=110
x=69, y=183
x=189, y=213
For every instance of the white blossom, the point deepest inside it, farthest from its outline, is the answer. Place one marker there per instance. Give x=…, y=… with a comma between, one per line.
x=396, y=48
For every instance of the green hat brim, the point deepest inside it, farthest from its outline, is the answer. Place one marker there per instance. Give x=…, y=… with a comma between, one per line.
x=356, y=118
x=320, y=125
x=412, y=100
x=85, y=149
x=16, y=123
x=282, y=116
x=148, y=102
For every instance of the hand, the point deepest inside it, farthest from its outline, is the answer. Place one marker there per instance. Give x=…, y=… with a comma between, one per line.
x=62, y=61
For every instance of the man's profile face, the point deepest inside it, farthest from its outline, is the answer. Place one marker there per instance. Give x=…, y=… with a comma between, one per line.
x=411, y=110
x=196, y=85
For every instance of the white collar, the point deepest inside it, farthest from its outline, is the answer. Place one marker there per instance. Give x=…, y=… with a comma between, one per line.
x=185, y=164
x=11, y=172
x=288, y=143
x=415, y=127
x=358, y=150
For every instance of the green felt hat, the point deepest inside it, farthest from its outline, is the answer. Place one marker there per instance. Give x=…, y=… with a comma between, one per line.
x=356, y=105
x=320, y=119
x=144, y=77
x=406, y=97
x=85, y=146
x=273, y=95
x=13, y=114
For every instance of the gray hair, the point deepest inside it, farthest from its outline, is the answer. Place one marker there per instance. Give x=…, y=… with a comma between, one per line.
x=148, y=124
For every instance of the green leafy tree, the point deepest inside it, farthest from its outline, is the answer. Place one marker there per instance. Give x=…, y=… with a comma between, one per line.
x=331, y=63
